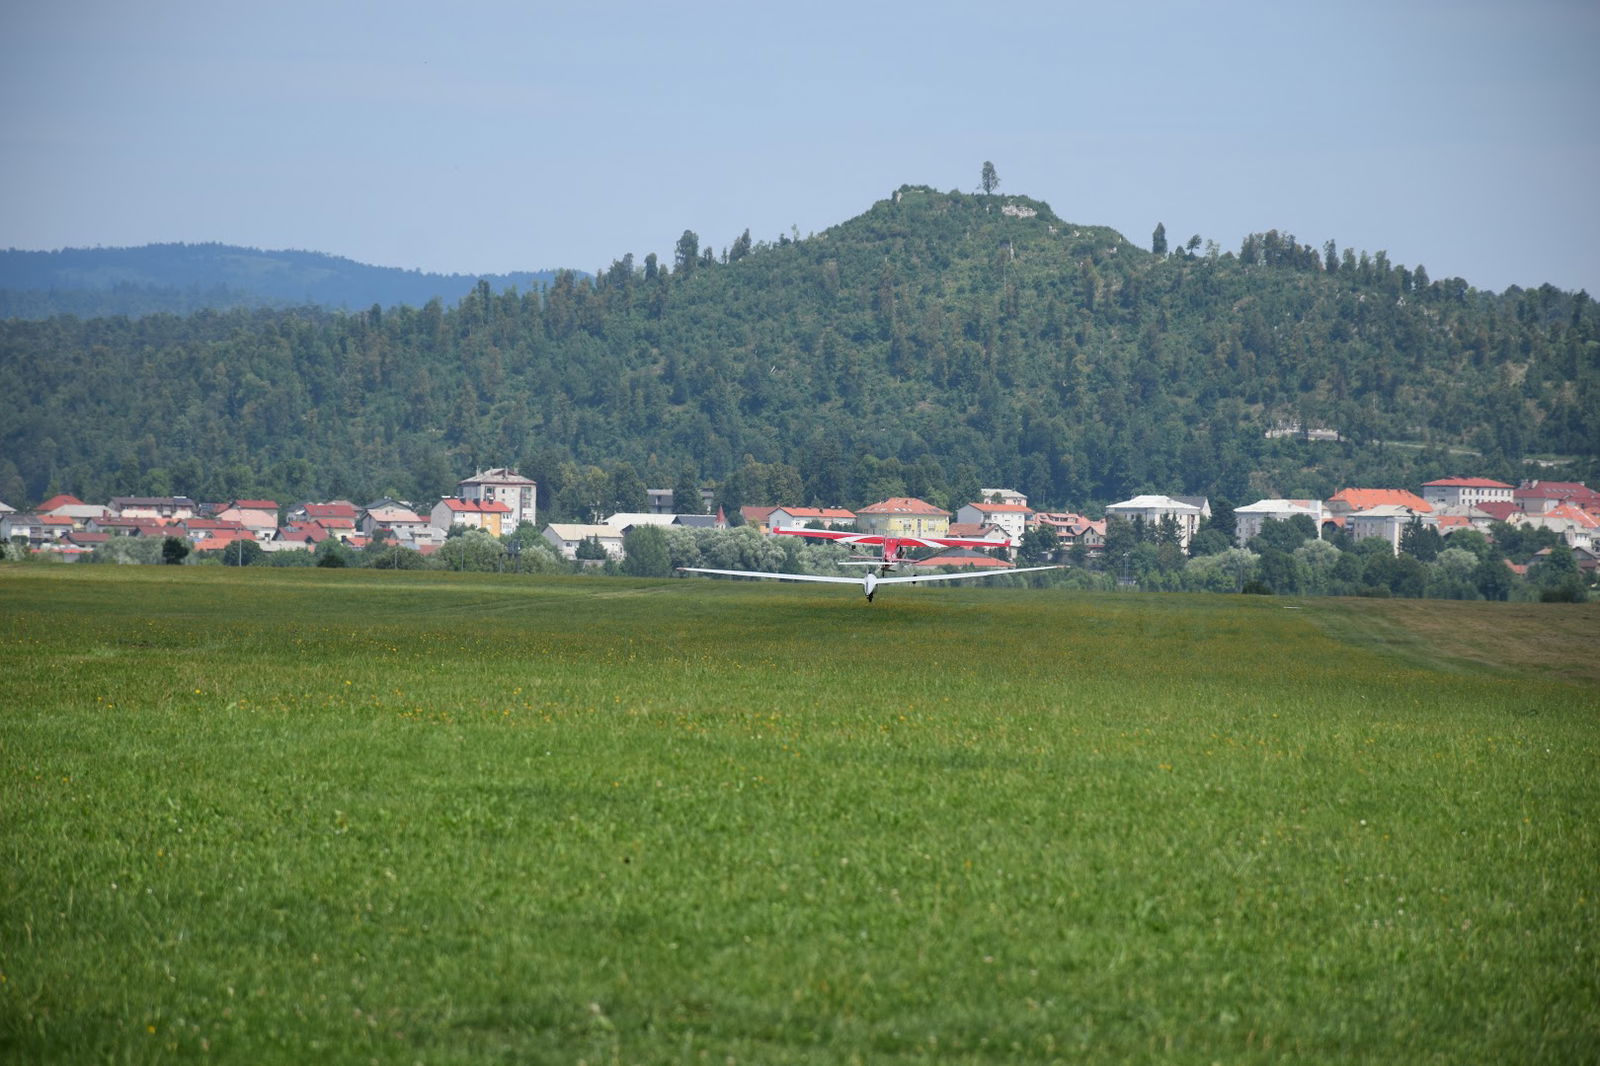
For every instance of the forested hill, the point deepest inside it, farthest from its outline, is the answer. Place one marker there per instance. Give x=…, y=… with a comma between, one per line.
x=937, y=343
x=183, y=278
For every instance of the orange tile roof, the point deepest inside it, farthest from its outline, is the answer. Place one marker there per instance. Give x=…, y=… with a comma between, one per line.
x=1574, y=514
x=815, y=512
x=903, y=505
x=475, y=506
x=1364, y=499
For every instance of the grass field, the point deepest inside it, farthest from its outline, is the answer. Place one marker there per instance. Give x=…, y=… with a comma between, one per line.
x=344, y=816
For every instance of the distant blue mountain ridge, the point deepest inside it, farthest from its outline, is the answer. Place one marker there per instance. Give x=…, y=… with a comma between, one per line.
x=182, y=278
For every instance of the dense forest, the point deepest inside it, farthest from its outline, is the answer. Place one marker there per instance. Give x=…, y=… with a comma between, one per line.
x=935, y=344
x=183, y=278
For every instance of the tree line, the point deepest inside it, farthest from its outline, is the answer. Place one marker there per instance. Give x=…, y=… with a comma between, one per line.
x=935, y=344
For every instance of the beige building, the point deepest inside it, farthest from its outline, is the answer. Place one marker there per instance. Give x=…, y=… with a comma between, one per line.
x=1466, y=491
x=1153, y=509
x=1011, y=518
x=500, y=485
x=1248, y=520
x=1388, y=521
x=565, y=538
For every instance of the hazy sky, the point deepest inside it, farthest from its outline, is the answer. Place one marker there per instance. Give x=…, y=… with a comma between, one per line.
x=1459, y=134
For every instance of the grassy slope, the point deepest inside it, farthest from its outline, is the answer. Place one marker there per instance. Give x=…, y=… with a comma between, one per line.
x=276, y=816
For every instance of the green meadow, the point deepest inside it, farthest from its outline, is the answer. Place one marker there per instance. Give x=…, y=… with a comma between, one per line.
x=283, y=816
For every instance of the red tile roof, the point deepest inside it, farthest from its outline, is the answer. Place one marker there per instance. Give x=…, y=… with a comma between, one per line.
x=196, y=524
x=964, y=557
x=1575, y=491
x=1467, y=483
x=1003, y=508
x=59, y=500
x=1500, y=510
x=253, y=505
x=331, y=510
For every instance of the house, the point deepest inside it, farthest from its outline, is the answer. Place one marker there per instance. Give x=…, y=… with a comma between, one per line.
x=1451, y=517
x=1073, y=530
x=221, y=539
x=903, y=516
x=489, y=516
x=200, y=529
x=1537, y=497
x=27, y=527
x=1501, y=512
x=1010, y=517
x=164, y=508
x=56, y=526
x=258, y=516
x=130, y=527
x=565, y=538
x=1010, y=496
x=71, y=507
x=1248, y=520
x=1348, y=501
x=1388, y=521
x=1588, y=560
x=87, y=540
x=1152, y=510
x=316, y=512
x=1577, y=527
x=308, y=532
x=402, y=524
x=661, y=500
x=757, y=517
x=970, y=558
x=1451, y=523
x=802, y=517
x=980, y=531
x=38, y=530
x=702, y=521
x=501, y=485
x=1465, y=491
x=625, y=520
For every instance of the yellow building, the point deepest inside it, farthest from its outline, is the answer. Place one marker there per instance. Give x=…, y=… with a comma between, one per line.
x=903, y=516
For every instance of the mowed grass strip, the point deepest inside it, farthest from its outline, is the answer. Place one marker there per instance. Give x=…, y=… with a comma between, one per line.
x=294, y=816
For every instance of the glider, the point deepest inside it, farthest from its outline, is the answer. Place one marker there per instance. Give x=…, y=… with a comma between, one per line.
x=892, y=557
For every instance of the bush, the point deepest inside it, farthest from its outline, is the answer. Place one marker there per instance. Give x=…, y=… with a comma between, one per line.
x=1567, y=592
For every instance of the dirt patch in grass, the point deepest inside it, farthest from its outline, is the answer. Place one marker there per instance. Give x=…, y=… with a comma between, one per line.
x=1559, y=640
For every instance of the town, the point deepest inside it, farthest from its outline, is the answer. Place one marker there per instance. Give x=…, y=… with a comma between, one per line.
x=1467, y=537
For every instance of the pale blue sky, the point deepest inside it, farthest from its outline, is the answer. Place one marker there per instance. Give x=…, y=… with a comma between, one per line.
x=497, y=136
